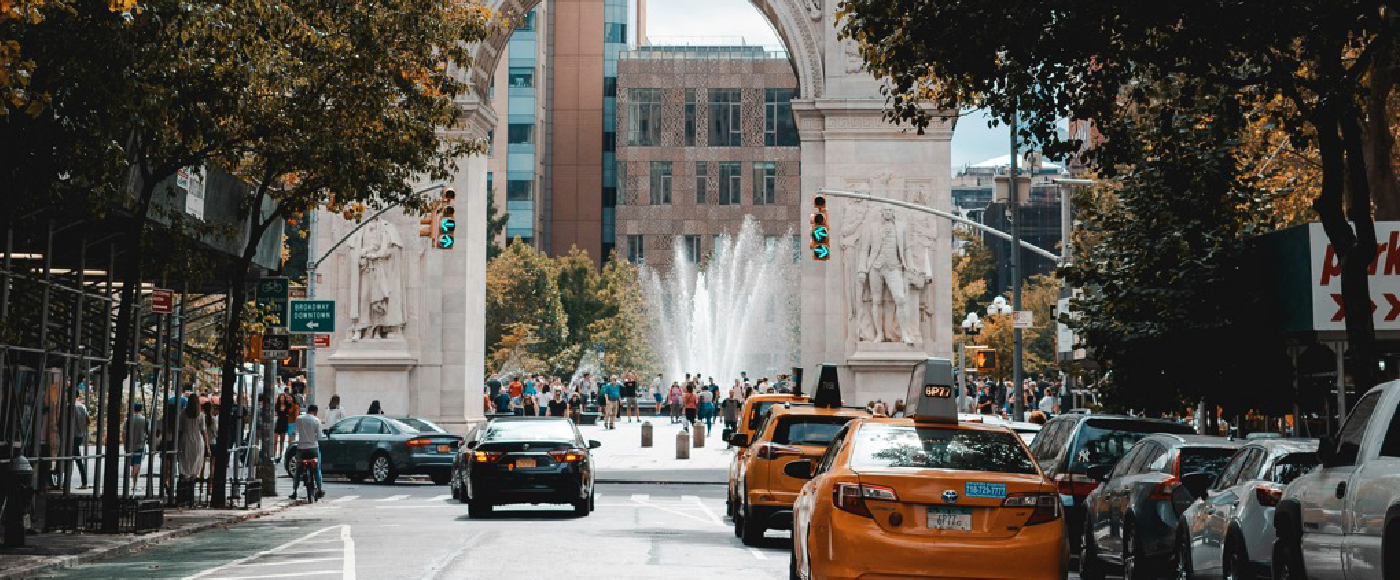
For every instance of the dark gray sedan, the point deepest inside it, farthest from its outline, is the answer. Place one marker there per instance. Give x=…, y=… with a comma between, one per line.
x=382, y=448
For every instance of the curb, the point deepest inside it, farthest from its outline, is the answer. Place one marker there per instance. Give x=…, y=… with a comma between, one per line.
x=141, y=543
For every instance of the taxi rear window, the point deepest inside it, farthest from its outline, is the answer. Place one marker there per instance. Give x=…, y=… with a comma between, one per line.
x=756, y=415
x=809, y=430
x=905, y=446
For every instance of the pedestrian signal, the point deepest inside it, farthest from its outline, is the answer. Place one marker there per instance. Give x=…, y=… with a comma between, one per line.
x=985, y=360
x=821, y=230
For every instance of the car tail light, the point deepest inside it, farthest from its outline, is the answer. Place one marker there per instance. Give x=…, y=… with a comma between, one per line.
x=1163, y=491
x=1268, y=496
x=566, y=456
x=774, y=451
x=1046, y=506
x=419, y=442
x=1075, y=484
x=850, y=497
x=486, y=456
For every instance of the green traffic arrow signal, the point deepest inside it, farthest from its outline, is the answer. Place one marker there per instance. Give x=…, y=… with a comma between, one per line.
x=448, y=225
x=819, y=234
x=445, y=241
x=821, y=251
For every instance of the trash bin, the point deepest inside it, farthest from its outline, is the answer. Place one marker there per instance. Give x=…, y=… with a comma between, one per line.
x=682, y=445
x=699, y=431
x=17, y=500
x=646, y=433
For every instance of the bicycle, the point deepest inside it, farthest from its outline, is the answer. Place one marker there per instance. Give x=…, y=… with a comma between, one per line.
x=306, y=474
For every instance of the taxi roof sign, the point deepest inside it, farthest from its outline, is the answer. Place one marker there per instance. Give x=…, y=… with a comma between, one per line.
x=828, y=391
x=931, y=392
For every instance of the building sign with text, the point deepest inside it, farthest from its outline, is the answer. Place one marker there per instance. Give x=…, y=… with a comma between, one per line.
x=1326, y=279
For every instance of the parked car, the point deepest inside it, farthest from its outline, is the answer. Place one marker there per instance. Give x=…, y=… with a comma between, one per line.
x=1130, y=519
x=419, y=423
x=525, y=460
x=1068, y=445
x=1229, y=533
x=1342, y=520
x=381, y=449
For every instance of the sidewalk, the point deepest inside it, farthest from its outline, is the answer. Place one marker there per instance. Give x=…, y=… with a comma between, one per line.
x=47, y=552
x=623, y=459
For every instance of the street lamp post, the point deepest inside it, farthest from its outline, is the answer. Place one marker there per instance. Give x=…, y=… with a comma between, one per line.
x=971, y=324
x=1000, y=306
x=1014, y=209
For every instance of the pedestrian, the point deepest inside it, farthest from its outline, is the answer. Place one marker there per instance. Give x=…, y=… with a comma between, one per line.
x=284, y=419
x=656, y=387
x=81, y=420
x=730, y=411
x=211, y=430
x=333, y=411
x=898, y=409
x=674, y=399
x=1048, y=403
x=375, y=408
x=576, y=406
x=135, y=433
x=528, y=406
x=557, y=405
x=690, y=403
x=629, y=397
x=308, y=441
x=612, y=399
x=194, y=440
x=706, y=401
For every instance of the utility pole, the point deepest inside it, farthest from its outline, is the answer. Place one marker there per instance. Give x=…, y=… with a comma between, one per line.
x=1017, y=404
x=311, y=295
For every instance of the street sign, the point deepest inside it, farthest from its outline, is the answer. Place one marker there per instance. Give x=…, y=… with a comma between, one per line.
x=321, y=340
x=1022, y=319
x=297, y=292
x=276, y=346
x=162, y=301
x=312, y=316
x=272, y=298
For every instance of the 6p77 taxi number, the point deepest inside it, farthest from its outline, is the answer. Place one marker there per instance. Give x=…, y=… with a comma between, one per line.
x=938, y=391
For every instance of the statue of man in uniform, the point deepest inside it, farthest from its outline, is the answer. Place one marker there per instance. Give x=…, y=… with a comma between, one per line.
x=376, y=282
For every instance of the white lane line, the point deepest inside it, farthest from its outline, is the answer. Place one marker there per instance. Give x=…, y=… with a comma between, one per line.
x=758, y=554
x=704, y=508
x=346, y=498
x=266, y=552
x=285, y=562
x=690, y=498
x=640, y=497
x=677, y=512
x=393, y=498
x=441, y=498
x=348, y=568
x=286, y=575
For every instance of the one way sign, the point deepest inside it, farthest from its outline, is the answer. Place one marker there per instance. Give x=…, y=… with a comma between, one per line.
x=312, y=316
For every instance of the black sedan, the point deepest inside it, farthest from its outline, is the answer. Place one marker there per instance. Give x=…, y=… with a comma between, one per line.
x=531, y=460
x=382, y=448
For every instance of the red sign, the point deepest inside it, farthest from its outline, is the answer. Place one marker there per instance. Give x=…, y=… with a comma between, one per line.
x=321, y=340
x=162, y=301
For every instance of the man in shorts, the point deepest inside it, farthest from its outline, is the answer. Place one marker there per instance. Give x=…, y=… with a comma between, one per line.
x=135, y=439
x=629, y=397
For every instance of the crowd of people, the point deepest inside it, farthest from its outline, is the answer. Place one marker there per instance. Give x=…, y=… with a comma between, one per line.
x=1043, y=398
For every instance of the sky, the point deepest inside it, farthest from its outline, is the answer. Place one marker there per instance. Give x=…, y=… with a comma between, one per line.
x=713, y=21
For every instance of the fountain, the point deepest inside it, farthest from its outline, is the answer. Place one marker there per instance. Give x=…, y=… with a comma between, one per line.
x=737, y=312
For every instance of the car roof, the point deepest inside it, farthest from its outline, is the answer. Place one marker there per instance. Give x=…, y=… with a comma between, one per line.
x=1184, y=440
x=1086, y=416
x=1290, y=445
x=909, y=421
x=810, y=409
x=770, y=397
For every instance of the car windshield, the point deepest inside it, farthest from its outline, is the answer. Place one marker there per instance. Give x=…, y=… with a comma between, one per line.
x=422, y=425
x=1205, y=460
x=1105, y=441
x=898, y=446
x=808, y=430
x=1292, y=466
x=756, y=416
x=549, y=430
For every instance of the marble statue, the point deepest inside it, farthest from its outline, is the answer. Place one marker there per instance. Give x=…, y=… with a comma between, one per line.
x=376, y=283
x=885, y=269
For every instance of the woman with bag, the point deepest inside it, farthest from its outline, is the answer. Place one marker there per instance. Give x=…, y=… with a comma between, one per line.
x=674, y=398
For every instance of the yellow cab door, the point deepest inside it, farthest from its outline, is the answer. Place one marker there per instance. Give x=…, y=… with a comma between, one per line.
x=797, y=436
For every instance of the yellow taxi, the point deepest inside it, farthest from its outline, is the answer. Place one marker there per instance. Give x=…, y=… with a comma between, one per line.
x=755, y=408
x=792, y=430
x=928, y=497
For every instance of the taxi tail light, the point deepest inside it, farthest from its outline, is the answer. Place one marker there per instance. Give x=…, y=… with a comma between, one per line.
x=1268, y=496
x=1075, y=484
x=486, y=456
x=774, y=451
x=1046, y=506
x=1163, y=491
x=419, y=442
x=566, y=456
x=850, y=497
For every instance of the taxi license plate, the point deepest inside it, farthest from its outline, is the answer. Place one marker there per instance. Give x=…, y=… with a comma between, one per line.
x=956, y=519
x=524, y=462
x=444, y=448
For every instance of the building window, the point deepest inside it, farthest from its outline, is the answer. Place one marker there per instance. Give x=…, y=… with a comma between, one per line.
x=702, y=181
x=730, y=182
x=726, y=109
x=765, y=183
x=690, y=117
x=520, y=189
x=491, y=143
x=779, y=128
x=660, y=182
x=692, y=248
x=520, y=133
x=490, y=183
x=609, y=86
x=615, y=32
x=716, y=245
x=634, y=249
x=522, y=77
x=644, y=117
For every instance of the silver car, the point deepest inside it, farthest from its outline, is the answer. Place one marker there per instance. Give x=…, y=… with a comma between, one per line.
x=1229, y=533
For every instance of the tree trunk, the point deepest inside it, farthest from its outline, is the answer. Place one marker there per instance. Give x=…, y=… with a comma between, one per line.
x=1377, y=139
x=1356, y=268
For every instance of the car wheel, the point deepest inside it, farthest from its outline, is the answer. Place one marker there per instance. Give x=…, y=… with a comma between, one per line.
x=751, y=533
x=1184, y=566
x=1090, y=567
x=381, y=469
x=1134, y=566
x=1235, y=562
x=592, y=502
x=581, y=506
x=478, y=509
x=441, y=478
x=738, y=520
x=792, y=566
x=288, y=465
x=1288, y=561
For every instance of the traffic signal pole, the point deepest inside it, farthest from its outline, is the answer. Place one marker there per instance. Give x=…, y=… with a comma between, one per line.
x=1013, y=204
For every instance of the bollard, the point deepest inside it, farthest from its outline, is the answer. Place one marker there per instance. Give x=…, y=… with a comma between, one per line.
x=646, y=433
x=682, y=445
x=699, y=429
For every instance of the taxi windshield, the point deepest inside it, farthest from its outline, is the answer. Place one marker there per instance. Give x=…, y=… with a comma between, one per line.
x=756, y=415
x=809, y=430
x=905, y=446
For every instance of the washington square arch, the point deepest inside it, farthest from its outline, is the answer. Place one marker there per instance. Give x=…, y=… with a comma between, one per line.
x=417, y=341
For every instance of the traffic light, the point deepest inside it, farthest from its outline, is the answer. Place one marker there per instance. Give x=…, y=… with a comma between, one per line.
x=985, y=360
x=447, y=220
x=821, y=232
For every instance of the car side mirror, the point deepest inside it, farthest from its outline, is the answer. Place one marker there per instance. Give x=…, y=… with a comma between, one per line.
x=724, y=435
x=1098, y=473
x=799, y=469
x=1197, y=483
x=594, y=444
x=739, y=440
x=471, y=445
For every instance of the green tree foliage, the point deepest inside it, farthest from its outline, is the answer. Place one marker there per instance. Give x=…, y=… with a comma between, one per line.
x=521, y=289
x=622, y=328
x=495, y=224
x=580, y=293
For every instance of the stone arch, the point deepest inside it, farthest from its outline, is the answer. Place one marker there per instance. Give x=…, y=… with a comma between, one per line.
x=795, y=20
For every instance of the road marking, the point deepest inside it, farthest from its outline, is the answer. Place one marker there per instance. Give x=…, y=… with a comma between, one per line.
x=677, y=512
x=346, y=498
x=713, y=517
x=758, y=554
x=441, y=498
x=286, y=575
x=690, y=498
x=640, y=497
x=285, y=562
x=269, y=551
x=394, y=498
x=407, y=507
x=348, y=568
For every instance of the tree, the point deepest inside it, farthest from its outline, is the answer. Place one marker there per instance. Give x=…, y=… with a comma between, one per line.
x=623, y=326
x=972, y=267
x=495, y=224
x=580, y=294
x=521, y=289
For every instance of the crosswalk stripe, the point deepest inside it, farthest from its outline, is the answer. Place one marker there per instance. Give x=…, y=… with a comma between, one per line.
x=394, y=498
x=346, y=498
x=690, y=498
x=640, y=497
x=441, y=498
